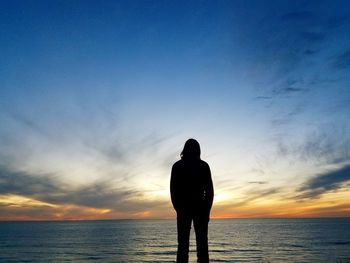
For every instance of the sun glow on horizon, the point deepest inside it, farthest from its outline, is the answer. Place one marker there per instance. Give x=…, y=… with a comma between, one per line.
x=97, y=100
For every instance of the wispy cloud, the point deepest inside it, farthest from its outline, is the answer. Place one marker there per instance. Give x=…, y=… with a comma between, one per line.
x=299, y=41
x=50, y=189
x=253, y=195
x=329, y=144
x=311, y=36
x=323, y=183
x=28, y=123
x=297, y=15
x=257, y=182
x=263, y=97
x=342, y=61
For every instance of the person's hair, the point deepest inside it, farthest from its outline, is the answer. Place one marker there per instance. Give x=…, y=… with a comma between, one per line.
x=191, y=150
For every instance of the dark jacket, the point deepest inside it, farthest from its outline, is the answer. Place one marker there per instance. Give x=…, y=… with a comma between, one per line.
x=191, y=186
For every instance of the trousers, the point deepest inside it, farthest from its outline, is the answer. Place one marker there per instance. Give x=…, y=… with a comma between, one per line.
x=200, y=223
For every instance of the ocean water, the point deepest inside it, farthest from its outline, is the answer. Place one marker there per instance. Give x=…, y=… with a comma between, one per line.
x=230, y=240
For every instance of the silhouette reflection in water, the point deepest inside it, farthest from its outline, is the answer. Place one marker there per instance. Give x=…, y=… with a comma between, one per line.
x=192, y=194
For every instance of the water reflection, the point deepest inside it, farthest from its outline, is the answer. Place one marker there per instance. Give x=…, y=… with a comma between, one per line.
x=236, y=240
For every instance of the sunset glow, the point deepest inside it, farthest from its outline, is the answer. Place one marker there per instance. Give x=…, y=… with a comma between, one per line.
x=97, y=100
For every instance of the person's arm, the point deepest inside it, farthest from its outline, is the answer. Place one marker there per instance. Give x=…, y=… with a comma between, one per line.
x=209, y=189
x=173, y=188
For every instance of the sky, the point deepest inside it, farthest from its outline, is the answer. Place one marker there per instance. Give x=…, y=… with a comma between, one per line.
x=98, y=97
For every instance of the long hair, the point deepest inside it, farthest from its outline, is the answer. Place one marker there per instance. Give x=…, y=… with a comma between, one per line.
x=191, y=150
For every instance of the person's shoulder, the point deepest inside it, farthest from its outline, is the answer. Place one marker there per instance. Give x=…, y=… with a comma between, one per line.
x=204, y=164
x=177, y=163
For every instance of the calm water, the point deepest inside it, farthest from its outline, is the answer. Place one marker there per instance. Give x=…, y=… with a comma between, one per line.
x=231, y=240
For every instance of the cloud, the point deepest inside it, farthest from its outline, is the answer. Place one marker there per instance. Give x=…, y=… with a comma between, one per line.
x=124, y=148
x=255, y=194
x=287, y=118
x=28, y=123
x=329, y=144
x=11, y=212
x=312, y=36
x=287, y=90
x=291, y=89
x=338, y=210
x=310, y=52
x=290, y=86
x=299, y=15
x=342, y=61
x=257, y=182
x=49, y=189
x=326, y=182
x=263, y=97
x=293, y=44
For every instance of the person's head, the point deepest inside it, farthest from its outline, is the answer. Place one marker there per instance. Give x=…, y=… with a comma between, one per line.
x=191, y=150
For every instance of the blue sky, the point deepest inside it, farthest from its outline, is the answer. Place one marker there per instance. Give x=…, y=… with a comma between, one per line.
x=97, y=99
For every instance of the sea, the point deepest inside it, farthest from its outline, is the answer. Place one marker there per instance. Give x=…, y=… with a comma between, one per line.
x=230, y=240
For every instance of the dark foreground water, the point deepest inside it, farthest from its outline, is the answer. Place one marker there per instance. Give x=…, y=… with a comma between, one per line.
x=230, y=240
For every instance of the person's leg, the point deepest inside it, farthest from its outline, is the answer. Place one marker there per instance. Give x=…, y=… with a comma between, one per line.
x=183, y=237
x=200, y=224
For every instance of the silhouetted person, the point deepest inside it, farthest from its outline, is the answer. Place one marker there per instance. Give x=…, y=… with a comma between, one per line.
x=192, y=195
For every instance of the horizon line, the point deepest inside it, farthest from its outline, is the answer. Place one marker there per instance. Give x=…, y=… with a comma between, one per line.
x=131, y=219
